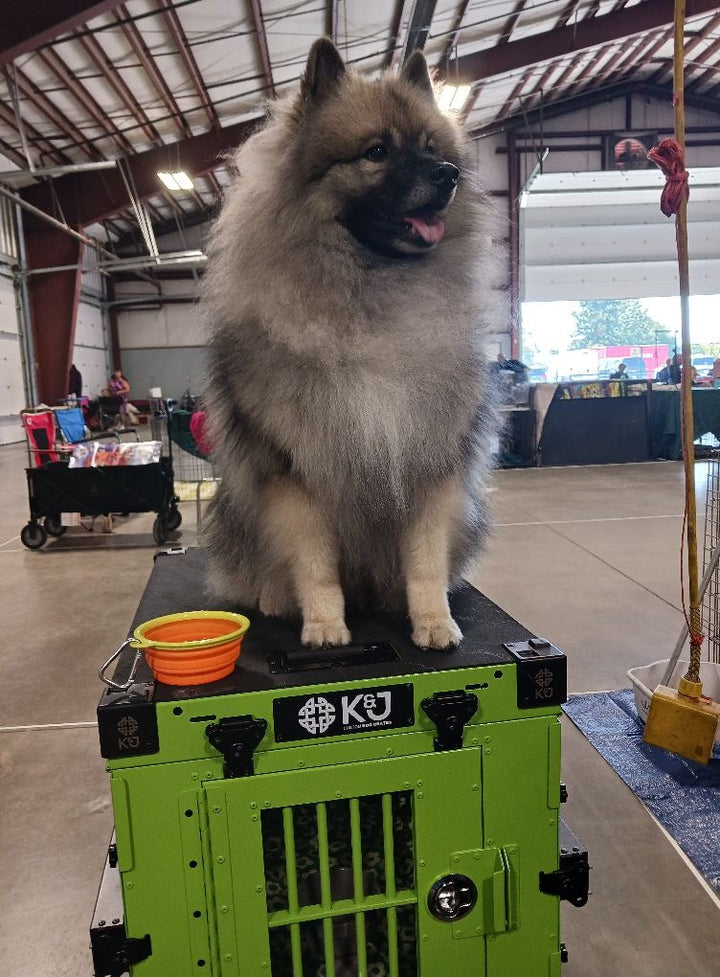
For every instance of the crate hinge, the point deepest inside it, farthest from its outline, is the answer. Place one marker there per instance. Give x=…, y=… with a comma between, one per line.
x=571, y=881
x=114, y=953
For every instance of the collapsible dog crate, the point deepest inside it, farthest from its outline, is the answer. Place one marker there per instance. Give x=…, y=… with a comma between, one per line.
x=370, y=811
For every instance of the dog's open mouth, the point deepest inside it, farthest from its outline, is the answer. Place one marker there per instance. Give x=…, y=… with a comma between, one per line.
x=400, y=234
x=424, y=225
x=421, y=227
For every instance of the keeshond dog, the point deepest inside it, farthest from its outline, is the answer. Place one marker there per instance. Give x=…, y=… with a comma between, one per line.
x=347, y=293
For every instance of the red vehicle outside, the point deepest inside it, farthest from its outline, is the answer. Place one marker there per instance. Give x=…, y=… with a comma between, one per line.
x=642, y=362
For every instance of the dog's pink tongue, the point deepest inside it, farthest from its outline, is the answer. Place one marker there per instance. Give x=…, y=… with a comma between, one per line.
x=430, y=229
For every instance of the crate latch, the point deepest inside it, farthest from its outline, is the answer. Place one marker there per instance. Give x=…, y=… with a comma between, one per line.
x=114, y=953
x=237, y=738
x=450, y=711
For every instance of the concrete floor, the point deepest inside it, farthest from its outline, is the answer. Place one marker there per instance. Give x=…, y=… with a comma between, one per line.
x=588, y=557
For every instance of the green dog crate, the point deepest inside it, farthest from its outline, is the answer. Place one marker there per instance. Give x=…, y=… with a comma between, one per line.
x=370, y=811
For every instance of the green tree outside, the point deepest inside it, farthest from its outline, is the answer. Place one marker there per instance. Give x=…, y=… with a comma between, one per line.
x=614, y=322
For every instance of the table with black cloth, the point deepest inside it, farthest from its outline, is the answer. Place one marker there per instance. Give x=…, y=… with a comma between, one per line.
x=664, y=419
x=600, y=422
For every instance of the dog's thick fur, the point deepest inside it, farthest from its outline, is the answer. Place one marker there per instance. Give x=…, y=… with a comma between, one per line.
x=347, y=395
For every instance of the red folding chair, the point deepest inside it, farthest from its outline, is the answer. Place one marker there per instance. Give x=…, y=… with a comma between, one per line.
x=40, y=431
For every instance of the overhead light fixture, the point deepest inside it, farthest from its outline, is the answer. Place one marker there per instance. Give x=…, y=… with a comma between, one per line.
x=179, y=180
x=453, y=97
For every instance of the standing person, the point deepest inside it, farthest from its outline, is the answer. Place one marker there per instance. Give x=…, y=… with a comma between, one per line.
x=119, y=387
x=674, y=371
x=620, y=373
x=663, y=375
x=75, y=382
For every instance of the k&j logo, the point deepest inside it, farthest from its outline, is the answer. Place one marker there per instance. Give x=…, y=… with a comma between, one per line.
x=127, y=728
x=544, y=680
x=366, y=708
x=317, y=715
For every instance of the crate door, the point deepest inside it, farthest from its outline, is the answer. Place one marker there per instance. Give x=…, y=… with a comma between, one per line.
x=327, y=872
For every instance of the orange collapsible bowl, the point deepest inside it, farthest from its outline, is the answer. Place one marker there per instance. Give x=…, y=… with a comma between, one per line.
x=191, y=648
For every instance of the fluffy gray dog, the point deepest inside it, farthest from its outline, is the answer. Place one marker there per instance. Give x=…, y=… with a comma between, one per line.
x=347, y=293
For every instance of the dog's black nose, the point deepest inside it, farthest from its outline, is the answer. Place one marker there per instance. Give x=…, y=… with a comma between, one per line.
x=445, y=175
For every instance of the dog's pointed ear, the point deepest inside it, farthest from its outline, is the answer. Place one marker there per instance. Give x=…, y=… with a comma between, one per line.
x=323, y=72
x=415, y=70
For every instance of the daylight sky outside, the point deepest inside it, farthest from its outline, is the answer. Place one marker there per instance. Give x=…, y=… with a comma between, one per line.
x=549, y=326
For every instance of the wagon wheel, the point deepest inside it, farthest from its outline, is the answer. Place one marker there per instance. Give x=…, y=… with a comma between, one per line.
x=33, y=536
x=53, y=525
x=174, y=518
x=160, y=530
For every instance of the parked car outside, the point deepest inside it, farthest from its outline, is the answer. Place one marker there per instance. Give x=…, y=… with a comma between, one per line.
x=537, y=374
x=703, y=364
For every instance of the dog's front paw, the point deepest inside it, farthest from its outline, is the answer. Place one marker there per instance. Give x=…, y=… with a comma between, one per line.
x=320, y=634
x=436, y=632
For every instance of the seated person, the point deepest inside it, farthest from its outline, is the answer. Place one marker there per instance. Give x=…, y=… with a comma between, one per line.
x=119, y=387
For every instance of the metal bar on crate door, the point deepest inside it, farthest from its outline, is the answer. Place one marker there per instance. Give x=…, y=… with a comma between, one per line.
x=292, y=889
x=325, y=886
x=389, y=851
x=358, y=887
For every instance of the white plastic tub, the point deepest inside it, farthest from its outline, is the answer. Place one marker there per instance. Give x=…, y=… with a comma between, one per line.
x=646, y=678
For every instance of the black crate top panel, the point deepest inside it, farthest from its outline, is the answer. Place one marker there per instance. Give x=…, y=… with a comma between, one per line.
x=177, y=584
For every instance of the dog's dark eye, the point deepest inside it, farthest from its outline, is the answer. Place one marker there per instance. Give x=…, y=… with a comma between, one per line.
x=376, y=153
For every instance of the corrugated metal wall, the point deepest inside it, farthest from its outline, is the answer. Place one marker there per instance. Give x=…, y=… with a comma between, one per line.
x=12, y=390
x=91, y=352
x=8, y=239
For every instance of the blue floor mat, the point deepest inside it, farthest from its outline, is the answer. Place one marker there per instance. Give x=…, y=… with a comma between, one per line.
x=684, y=796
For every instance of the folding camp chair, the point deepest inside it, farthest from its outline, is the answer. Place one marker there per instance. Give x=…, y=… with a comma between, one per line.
x=40, y=431
x=71, y=422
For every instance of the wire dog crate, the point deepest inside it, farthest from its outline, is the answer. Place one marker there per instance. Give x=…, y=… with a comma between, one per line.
x=194, y=475
x=369, y=811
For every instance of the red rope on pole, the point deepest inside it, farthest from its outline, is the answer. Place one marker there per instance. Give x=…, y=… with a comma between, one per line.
x=670, y=157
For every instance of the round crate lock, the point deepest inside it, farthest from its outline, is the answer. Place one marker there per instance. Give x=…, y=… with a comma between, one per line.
x=452, y=897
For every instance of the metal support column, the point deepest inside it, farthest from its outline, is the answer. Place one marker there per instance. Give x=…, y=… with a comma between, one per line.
x=54, y=300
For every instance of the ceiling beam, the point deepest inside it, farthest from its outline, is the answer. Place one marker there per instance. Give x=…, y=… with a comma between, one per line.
x=114, y=79
x=12, y=154
x=419, y=27
x=394, y=39
x=142, y=53
x=262, y=47
x=509, y=25
x=689, y=46
x=188, y=60
x=35, y=138
x=708, y=74
x=129, y=243
x=563, y=41
x=453, y=34
x=96, y=196
x=595, y=96
x=49, y=110
x=515, y=93
x=52, y=60
x=567, y=13
x=331, y=20
x=25, y=27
